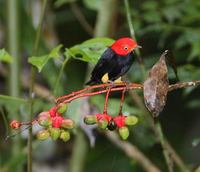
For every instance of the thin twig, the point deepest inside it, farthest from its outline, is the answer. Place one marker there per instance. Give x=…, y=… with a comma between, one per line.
x=183, y=85
x=60, y=99
x=122, y=101
x=106, y=101
x=32, y=82
x=119, y=87
x=76, y=96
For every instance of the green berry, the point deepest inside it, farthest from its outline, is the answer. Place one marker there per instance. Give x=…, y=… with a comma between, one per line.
x=68, y=124
x=102, y=124
x=43, y=135
x=124, y=132
x=90, y=119
x=44, y=119
x=55, y=133
x=131, y=120
x=62, y=108
x=65, y=135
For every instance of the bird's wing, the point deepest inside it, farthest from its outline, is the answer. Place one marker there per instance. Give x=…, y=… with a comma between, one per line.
x=104, y=65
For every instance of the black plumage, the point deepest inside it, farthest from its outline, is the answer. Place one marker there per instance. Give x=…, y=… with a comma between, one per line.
x=111, y=63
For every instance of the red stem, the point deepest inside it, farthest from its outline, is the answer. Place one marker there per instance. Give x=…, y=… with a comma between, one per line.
x=122, y=101
x=106, y=101
x=29, y=123
x=132, y=86
x=60, y=99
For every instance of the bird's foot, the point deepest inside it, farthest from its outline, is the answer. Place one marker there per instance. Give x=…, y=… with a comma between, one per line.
x=113, y=84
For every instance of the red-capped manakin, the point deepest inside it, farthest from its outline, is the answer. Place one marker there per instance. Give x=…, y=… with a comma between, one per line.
x=114, y=62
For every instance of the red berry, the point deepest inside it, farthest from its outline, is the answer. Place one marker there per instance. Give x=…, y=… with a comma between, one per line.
x=44, y=119
x=52, y=111
x=57, y=121
x=99, y=116
x=103, y=116
x=45, y=113
x=58, y=114
x=119, y=121
x=15, y=124
x=107, y=117
x=67, y=123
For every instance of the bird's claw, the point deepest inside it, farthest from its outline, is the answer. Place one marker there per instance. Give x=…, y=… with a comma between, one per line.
x=113, y=84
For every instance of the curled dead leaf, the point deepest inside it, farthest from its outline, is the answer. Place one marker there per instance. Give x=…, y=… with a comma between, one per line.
x=156, y=86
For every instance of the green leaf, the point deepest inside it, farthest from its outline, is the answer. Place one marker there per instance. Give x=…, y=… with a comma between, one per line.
x=90, y=50
x=92, y=4
x=5, y=56
x=41, y=61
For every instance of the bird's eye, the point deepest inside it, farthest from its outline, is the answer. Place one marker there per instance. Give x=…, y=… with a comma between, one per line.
x=125, y=48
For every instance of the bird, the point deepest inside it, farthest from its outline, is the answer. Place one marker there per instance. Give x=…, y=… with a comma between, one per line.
x=115, y=61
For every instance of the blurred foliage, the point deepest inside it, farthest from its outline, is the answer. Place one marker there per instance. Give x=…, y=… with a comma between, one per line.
x=159, y=25
x=5, y=56
x=40, y=62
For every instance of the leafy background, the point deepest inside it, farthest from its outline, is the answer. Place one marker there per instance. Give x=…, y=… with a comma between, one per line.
x=66, y=45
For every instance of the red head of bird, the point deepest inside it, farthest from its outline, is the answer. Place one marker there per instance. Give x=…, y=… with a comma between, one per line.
x=124, y=46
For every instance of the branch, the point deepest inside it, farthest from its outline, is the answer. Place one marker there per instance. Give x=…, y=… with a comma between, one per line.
x=105, y=90
x=184, y=85
x=118, y=87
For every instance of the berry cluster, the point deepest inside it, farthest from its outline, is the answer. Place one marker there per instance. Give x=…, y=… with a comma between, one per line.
x=55, y=125
x=105, y=121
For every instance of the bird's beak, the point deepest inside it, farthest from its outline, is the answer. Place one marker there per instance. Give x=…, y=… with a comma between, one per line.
x=138, y=46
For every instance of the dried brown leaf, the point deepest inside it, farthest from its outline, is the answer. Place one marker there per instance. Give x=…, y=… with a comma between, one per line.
x=156, y=86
